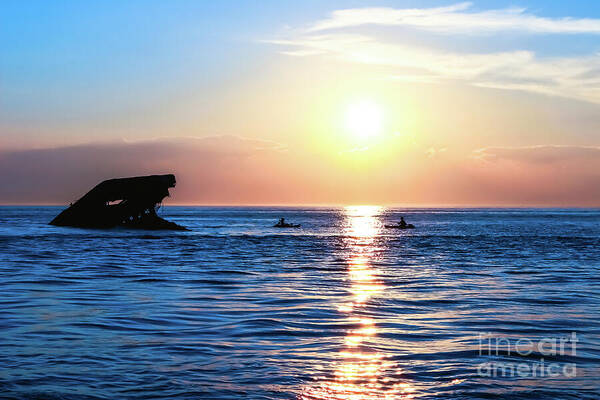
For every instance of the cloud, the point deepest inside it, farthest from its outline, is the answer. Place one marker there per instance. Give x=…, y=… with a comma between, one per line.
x=575, y=77
x=236, y=170
x=456, y=19
x=213, y=168
x=432, y=152
x=540, y=155
x=560, y=175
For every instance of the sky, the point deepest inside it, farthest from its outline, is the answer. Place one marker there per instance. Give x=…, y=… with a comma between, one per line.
x=421, y=103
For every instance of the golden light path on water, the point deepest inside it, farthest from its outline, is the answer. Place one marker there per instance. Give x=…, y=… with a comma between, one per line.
x=361, y=373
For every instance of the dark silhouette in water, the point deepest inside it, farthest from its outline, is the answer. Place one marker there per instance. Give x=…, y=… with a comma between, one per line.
x=127, y=202
x=401, y=225
x=282, y=224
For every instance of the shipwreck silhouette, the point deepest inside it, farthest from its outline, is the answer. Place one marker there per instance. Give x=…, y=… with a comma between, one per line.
x=127, y=202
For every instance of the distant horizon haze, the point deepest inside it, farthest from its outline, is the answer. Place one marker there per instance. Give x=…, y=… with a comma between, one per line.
x=230, y=170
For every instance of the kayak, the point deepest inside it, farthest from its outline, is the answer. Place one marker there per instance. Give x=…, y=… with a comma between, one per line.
x=286, y=226
x=409, y=226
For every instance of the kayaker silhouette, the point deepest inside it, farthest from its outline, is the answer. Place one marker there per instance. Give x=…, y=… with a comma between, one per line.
x=282, y=224
x=400, y=225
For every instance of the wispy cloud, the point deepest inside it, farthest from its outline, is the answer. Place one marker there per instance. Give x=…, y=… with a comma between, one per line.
x=432, y=152
x=236, y=170
x=576, y=77
x=456, y=18
x=558, y=174
x=212, y=169
x=541, y=155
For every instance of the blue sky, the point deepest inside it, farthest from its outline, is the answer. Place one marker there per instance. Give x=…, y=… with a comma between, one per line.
x=70, y=56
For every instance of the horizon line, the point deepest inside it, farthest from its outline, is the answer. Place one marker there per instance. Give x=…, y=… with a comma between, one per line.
x=340, y=205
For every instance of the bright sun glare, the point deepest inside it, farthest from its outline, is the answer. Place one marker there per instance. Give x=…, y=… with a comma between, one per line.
x=364, y=119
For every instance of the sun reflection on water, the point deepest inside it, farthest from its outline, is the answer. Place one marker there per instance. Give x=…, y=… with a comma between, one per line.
x=361, y=373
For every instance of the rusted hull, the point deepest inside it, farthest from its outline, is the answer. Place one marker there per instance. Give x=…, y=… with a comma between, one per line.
x=126, y=202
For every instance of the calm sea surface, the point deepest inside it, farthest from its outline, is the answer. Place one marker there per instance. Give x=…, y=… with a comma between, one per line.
x=339, y=309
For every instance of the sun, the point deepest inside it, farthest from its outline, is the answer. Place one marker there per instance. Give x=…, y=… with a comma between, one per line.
x=364, y=119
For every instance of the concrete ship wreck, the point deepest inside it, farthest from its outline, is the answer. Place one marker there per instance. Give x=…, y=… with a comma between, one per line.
x=125, y=202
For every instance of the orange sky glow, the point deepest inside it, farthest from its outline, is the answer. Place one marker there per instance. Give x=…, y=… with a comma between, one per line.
x=388, y=106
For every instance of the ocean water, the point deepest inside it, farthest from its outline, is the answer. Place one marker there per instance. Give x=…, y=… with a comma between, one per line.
x=341, y=308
